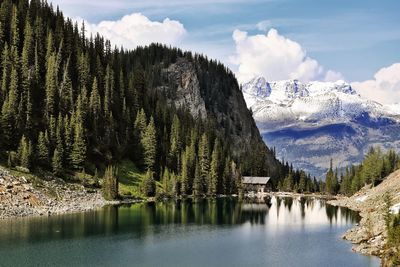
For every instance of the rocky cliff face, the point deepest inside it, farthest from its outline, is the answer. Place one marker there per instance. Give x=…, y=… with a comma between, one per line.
x=183, y=78
x=191, y=85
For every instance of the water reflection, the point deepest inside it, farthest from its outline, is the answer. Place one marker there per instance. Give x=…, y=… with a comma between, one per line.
x=140, y=219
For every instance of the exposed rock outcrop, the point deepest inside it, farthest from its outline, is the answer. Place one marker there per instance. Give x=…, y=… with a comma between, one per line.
x=188, y=84
x=369, y=237
x=19, y=197
x=183, y=78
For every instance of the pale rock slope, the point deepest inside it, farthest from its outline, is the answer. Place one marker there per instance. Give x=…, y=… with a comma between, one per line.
x=369, y=237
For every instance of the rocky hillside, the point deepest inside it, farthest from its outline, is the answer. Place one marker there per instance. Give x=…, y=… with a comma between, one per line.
x=369, y=237
x=189, y=84
x=28, y=196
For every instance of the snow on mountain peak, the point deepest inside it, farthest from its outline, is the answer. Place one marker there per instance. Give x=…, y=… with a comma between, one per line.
x=258, y=86
x=310, y=123
x=287, y=90
x=317, y=102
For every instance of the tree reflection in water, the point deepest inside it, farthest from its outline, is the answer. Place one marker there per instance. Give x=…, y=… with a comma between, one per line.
x=139, y=220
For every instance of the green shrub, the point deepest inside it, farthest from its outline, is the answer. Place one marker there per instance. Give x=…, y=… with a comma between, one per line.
x=110, y=183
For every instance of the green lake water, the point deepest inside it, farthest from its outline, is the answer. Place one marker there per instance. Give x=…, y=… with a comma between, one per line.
x=213, y=232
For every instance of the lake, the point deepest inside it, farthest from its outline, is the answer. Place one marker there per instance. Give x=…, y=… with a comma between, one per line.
x=204, y=232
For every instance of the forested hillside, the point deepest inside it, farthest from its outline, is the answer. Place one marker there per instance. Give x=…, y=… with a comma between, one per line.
x=373, y=169
x=71, y=102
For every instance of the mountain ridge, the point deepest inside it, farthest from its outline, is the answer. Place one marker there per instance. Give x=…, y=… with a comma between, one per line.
x=309, y=122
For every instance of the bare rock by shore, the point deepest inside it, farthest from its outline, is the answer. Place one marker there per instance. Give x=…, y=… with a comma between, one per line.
x=20, y=198
x=369, y=236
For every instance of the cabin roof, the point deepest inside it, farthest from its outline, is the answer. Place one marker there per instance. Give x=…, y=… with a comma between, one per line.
x=255, y=180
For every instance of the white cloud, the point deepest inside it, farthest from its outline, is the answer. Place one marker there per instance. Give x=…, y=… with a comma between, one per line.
x=136, y=29
x=276, y=58
x=264, y=25
x=384, y=88
x=332, y=76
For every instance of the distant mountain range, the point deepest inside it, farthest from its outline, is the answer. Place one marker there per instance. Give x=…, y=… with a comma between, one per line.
x=310, y=123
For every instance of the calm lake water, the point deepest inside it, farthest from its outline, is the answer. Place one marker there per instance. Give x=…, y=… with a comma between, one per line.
x=219, y=232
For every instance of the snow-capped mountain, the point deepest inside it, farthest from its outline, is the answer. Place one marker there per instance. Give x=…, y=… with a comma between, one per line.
x=309, y=123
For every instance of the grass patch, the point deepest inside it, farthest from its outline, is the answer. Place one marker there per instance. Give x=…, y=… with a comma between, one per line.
x=129, y=179
x=30, y=177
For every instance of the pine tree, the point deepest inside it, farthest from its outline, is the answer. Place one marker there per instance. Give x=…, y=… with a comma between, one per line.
x=335, y=182
x=52, y=126
x=185, y=173
x=109, y=91
x=204, y=160
x=66, y=92
x=68, y=141
x=95, y=105
x=13, y=97
x=197, y=183
x=24, y=153
x=83, y=70
x=140, y=123
x=237, y=178
x=175, y=141
x=329, y=180
x=148, y=185
x=49, y=46
x=7, y=127
x=149, y=143
x=372, y=165
x=14, y=32
x=78, y=154
x=302, y=182
x=28, y=118
x=110, y=183
x=27, y=55
x=173, y=184
x=57, y=163
x=288, y=183
x=5, y=65
x=1, y=35
x=59, y=137
x=42, y=150
x=51, y=85
x=215, y=169
x=166, y=182
x=139, y=82
x=227, y=178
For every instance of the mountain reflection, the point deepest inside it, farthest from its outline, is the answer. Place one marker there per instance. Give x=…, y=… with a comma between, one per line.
x=139, y=220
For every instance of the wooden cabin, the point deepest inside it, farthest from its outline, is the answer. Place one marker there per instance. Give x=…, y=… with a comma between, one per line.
x=256, y=184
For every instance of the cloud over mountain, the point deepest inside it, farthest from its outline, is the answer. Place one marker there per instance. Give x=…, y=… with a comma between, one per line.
x=384, y=88
x=275, y=57
x=136, y=29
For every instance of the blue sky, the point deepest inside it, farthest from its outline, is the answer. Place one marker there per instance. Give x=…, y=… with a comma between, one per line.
x=353, y=38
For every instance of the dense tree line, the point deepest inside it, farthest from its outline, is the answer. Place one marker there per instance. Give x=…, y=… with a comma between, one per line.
x=70, y=102
x=299, y=181
x=372, y=170
x=376, y=166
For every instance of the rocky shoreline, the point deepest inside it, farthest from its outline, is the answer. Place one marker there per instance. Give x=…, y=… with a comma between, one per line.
x=21, y=197
x=369, y=237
